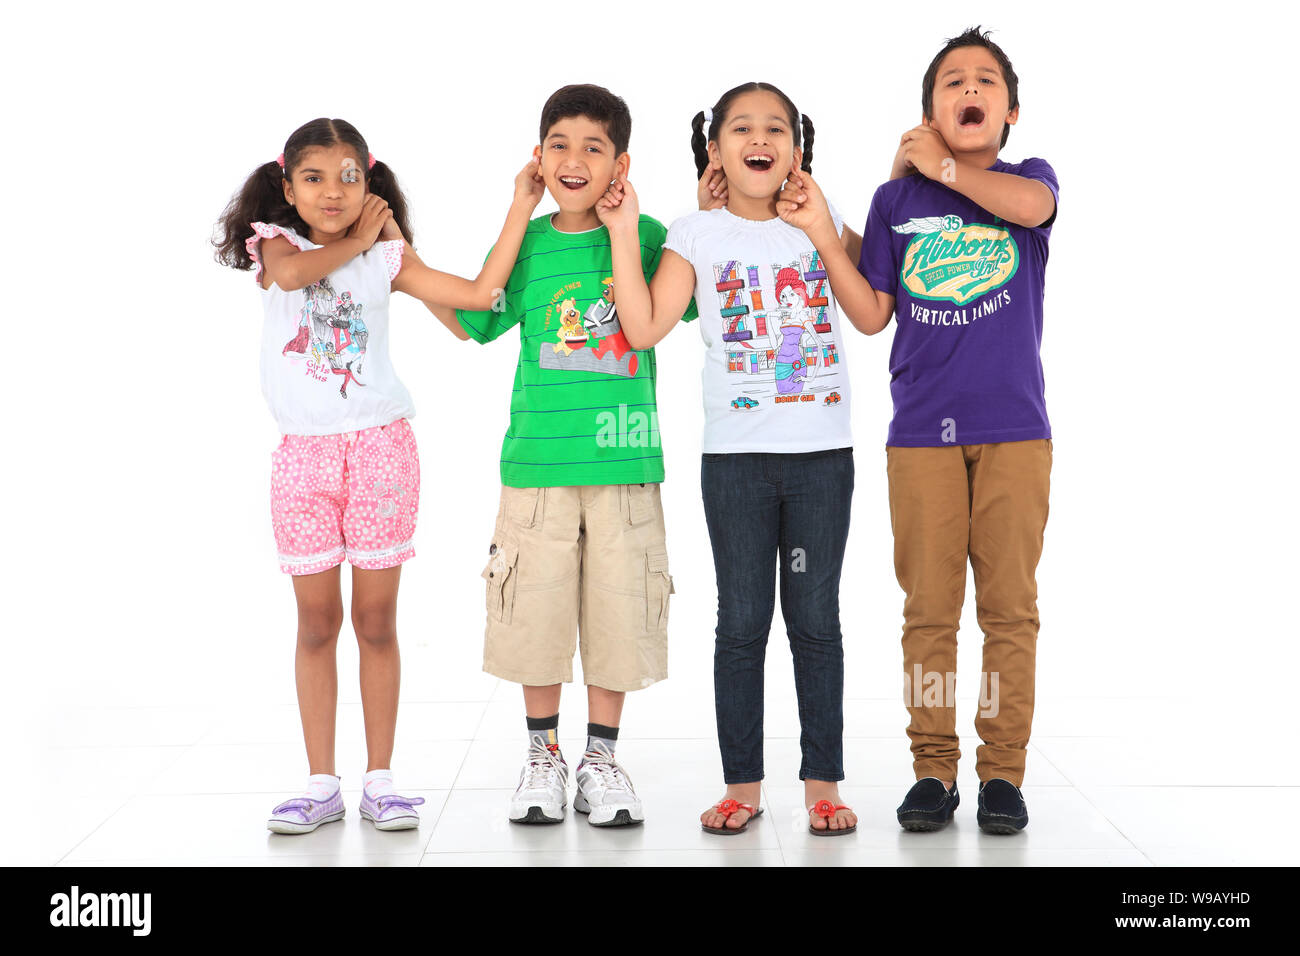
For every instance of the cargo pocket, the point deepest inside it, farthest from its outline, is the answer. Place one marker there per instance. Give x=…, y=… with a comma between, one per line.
x=501, y=576
x=658, y=586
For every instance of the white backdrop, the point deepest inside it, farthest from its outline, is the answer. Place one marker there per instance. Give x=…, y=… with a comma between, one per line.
x=140, y=566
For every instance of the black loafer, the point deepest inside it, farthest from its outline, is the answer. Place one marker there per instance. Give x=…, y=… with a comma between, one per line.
x=1001, y=807
x=928, y=806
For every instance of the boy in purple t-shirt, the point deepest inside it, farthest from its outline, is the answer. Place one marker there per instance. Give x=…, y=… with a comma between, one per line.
x=955, y=245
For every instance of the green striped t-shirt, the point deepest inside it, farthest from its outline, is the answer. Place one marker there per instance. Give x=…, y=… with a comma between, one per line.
x=583, y=408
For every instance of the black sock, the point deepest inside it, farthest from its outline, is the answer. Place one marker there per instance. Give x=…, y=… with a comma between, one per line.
x=605, y=735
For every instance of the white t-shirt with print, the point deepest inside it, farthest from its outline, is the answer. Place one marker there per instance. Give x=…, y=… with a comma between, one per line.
x=325, y=365
x=774, y=373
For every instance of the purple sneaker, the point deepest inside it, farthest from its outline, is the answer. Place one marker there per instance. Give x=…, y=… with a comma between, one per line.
x=303, y=814
x=388, y=811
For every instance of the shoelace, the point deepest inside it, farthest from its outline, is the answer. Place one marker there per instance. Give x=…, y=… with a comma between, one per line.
x=600, y=762
x=541, y=764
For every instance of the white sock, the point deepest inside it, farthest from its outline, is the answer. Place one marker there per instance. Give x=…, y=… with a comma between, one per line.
x=378, y=782
x=322, y=786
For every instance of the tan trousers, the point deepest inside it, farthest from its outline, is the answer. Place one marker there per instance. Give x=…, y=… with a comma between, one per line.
x=988, y=503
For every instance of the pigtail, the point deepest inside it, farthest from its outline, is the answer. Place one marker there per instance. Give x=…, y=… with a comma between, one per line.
x=383, y=183
x=699, y=144
x=808, y=131
x=260, y=199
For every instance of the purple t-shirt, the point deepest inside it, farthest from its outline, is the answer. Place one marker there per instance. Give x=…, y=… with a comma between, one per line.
x=965, y=367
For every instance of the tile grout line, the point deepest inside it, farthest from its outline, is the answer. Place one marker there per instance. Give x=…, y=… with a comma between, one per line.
x=776, y=831
x=487, y=704
x=1104, y=816
x=96, y=829
x=118, y=809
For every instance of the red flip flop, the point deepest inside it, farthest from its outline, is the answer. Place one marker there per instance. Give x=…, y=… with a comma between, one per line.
x=727, y=808
x=825, y=809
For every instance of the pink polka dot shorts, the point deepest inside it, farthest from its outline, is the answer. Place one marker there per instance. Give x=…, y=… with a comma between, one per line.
x=352, y=496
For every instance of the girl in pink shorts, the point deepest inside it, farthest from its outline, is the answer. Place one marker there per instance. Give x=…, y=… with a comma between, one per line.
x=324, y=227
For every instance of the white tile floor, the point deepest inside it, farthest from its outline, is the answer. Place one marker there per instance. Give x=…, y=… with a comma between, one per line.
x=1119, y=781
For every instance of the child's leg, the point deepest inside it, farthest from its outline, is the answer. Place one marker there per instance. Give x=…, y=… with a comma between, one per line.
x=623, y=633
x=817, y=498
x=382, y=483
x=1009, y=503
x=532, y=621
x=320, y=616
x=542, y=701
x=374, y=618
x=741, y=509
x=604, y=706
x=929, y=507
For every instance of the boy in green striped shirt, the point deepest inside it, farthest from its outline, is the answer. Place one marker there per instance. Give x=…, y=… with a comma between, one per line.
x=579, y=540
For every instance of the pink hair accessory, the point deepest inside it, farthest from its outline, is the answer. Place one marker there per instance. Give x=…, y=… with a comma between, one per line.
x=371, y=164
x=280, y=159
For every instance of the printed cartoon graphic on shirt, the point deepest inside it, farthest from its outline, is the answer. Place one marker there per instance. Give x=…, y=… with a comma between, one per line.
x=592, y=341
x=782, y=350
x=952, y=261
x=331, y=335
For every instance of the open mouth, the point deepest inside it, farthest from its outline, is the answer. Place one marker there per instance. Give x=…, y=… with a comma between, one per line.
x=572, y=182
x=760, y=162
x=970, y=116
x=331, y=211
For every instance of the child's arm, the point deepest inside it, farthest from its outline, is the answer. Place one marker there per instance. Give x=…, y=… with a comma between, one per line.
x=902, y=167
x=446, y=314
x=646, y=312
x=292, y=268
x=711, y=193
x=802, y=204
x=1025, y=202
x=852, y=243
x=443, y=288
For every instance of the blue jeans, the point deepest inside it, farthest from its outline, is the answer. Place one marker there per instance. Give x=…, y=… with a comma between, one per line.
x=795, y=507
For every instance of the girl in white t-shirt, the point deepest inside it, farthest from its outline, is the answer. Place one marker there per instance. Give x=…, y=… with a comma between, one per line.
x=777, y=468
x=325, y=228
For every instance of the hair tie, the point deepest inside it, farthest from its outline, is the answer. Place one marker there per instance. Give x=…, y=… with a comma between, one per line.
x=801, y=121
x=708, y=117
x=280, y=159
x=371, y=162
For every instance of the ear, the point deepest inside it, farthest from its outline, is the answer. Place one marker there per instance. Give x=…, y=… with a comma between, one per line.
x=288, y=191
x=925, y=120
x=537, y=156
x=798, y=157
x=1013, y=116
x=622, y=165
x=715, y=155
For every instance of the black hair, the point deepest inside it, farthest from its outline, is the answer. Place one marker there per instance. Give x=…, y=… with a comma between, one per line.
x=700, y=138
x=597, y=104
x=972, y=37
x=261, y=198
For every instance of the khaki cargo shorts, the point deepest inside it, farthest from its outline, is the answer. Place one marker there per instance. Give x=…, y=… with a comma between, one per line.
x=584, y=563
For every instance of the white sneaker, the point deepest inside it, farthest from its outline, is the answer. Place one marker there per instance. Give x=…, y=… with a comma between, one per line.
x=605, y=791
x=543, y=787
